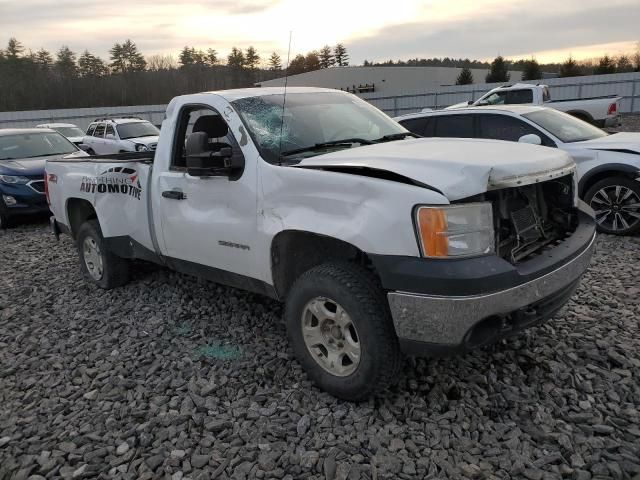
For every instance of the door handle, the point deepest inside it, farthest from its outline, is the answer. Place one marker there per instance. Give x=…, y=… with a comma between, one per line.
x=174, y=194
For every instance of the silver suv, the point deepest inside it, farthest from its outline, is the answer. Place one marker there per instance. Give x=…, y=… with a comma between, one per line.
x=122, y=134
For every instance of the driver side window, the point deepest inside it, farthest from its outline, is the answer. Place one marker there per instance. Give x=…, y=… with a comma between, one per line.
x=196, y=118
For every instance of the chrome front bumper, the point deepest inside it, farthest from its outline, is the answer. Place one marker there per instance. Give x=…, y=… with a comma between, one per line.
x=446, y=320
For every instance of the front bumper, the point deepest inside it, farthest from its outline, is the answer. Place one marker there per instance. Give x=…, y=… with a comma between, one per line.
x=428, y=323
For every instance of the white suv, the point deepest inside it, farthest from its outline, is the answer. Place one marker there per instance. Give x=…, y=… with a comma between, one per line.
x=123, y=134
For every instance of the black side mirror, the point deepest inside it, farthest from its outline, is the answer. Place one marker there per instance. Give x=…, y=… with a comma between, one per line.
x=203, y=162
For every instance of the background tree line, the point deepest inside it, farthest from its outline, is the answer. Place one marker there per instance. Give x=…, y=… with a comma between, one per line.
x=65, y=79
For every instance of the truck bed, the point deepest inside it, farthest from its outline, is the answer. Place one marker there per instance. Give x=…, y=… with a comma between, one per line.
x=581, y=99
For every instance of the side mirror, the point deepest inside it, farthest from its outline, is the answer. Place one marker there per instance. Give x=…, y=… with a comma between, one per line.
x=531, y=138
x=470, y=102
x=202, y=162
x=84, y=147
x=110, y=136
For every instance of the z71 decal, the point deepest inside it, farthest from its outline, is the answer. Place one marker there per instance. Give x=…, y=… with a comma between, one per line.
x=115, y=180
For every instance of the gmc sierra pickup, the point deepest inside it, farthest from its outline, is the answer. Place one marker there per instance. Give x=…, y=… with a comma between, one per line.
x=379, y=243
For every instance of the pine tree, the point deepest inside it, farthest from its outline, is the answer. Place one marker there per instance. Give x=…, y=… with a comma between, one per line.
x=465, y=77
x=275, y=62
x=312, y=62
x=91, y=66
x=43, y=59
x=340, y=55
x=326, y=57
x=66, y=62
x=297, y=65
x=251, y=58
x=14, y=48
x=212, y=57
x=186, y=56
x=605, y=65
x=125, y=58
x=236, y=58
x=570, y=68
x=532, y=70
x=498, y=71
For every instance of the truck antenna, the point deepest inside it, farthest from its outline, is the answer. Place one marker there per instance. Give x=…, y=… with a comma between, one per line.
x=284, y=100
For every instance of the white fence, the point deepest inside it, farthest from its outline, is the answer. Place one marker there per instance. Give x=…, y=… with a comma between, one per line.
x=626, y=85
x=79, y=116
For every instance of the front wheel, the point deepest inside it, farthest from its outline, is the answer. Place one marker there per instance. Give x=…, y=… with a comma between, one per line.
x=340, y=329
x=4, y=221
x=616, y=203
x=98, y=264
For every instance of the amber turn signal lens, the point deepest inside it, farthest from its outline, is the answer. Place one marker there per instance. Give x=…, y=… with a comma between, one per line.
x=432, y=225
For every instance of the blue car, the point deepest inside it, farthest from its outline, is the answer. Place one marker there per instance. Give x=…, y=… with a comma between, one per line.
x=23, y=154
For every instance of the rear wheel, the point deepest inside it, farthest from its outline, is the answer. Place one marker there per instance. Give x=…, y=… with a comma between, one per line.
x=98, y=264
x=616, y=203
x=340, y=329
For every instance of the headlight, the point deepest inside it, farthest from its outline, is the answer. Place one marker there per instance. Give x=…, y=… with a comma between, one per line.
x=141, y=148
x=10, y=179
x=455, y=230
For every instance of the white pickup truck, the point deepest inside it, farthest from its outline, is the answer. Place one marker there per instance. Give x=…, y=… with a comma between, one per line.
x=599, y=111
x=379, y=243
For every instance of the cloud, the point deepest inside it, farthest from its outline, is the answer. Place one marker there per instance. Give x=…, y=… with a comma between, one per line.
x=412, y=28
x=521, y=30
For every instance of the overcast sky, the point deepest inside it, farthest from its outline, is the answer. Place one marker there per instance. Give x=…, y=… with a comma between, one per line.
x=371, y=29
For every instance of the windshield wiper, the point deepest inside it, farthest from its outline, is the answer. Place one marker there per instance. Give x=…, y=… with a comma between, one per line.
x=396, y=136
x=320, y=146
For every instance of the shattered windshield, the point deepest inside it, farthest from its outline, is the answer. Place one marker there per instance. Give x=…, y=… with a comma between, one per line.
x=310, y=119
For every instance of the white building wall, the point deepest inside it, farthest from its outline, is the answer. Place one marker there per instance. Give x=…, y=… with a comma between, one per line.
x=387, y=80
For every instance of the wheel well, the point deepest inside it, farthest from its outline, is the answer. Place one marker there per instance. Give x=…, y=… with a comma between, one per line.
x=581, y=115
x=588, y=181
x=293, y=252
x=78, y=212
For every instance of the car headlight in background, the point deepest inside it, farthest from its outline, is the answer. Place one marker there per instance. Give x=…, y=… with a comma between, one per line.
x=455, y=230
x=13, y=180
x=141, y=148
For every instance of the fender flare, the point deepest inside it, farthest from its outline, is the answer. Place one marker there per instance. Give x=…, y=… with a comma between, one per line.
x=609, y=167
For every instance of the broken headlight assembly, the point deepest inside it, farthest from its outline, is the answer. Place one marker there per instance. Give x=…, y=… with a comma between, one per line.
x=453, y=231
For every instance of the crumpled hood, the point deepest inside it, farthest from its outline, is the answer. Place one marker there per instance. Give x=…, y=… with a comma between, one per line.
x=32, y=166
x=144, y=140
x=458, y=168
x=617, y=141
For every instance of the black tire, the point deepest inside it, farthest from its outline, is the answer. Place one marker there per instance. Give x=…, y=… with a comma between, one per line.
x=358, y=293
x=115, y=270
x=5, y=221
x=619, y=221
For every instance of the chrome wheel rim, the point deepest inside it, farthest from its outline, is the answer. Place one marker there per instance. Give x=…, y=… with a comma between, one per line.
x=616, y=207
x=92, y=258
x=331, y=336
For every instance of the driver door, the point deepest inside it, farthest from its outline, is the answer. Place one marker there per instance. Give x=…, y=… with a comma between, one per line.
x=208, y=222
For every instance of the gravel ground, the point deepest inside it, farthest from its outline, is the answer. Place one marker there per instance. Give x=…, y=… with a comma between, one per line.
x=172, y=377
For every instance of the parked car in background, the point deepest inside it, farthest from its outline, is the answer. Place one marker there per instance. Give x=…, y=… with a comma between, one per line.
x=379, y=243
x=72, y=132
x=23, y=153
x=118, y=135
x=599, y=111
x=608, y=165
